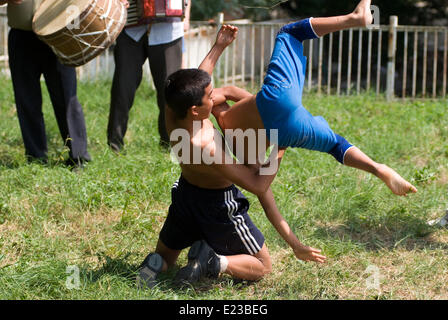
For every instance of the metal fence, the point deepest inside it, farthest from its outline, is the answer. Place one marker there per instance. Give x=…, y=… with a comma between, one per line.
x=398, y=61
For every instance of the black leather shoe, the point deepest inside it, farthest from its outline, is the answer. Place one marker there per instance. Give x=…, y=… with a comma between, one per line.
x=202, y=262
x=149, y=270
x=76, y=164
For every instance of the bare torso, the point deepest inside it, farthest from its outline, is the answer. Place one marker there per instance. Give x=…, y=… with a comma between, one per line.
x=201, y=175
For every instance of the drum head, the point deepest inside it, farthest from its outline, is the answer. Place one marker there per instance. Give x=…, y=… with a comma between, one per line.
x=54, y=15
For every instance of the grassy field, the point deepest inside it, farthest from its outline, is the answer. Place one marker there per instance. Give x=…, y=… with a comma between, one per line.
x=106, y=218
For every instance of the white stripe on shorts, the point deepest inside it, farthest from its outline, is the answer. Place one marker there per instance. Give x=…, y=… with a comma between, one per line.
x=241, y=228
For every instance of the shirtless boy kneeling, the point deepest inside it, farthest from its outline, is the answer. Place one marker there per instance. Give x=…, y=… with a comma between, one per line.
x=208, y=212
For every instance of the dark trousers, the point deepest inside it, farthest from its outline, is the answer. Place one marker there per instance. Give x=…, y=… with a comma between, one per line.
x=29, y=58
x=130, y=57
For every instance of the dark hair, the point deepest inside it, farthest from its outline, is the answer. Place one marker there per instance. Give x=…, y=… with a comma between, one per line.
x=185, y=88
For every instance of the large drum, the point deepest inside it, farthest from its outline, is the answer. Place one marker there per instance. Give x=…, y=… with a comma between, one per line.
x=79, y=30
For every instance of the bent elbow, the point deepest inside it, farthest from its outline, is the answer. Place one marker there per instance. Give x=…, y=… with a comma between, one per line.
x=261, y=189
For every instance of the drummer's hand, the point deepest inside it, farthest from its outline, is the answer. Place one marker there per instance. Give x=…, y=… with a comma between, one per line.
x=125, y=2
x=186, y=25
x=226, y=35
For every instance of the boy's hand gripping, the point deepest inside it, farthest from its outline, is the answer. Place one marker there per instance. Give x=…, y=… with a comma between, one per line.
x=226, y=35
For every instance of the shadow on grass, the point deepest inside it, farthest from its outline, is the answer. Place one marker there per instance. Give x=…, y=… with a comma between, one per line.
x=396, y=229
x=13, y=162
x=118, y=267
x=205, y=285
x=10, y=161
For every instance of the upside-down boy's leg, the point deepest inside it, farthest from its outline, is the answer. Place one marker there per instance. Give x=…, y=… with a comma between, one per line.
x=355, y=158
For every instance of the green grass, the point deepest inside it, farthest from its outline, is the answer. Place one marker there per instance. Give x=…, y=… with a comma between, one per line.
x=106, y=218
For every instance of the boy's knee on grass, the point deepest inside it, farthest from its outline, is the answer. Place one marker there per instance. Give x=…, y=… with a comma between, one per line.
x=267, y=270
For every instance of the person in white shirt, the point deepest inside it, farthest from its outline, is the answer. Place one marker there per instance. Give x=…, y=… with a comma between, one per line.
x=161, y=43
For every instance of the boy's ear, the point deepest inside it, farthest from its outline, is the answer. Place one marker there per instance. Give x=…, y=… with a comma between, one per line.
x=194, y=110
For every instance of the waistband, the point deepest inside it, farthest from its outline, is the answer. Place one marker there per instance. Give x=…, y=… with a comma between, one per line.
x=214, y=193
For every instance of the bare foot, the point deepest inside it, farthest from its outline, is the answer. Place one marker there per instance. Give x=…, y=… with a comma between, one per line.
x=395, y=182
x=362, y=13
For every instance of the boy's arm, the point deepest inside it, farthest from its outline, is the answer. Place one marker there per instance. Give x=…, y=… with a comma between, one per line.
x=225, y=37
x=232, y=93
x=187, y=16
x=301, y=251
x=249, y=177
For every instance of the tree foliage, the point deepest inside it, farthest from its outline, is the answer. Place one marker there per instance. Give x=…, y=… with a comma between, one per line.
x=205, y=10
x=252, y=9
x=409, y=11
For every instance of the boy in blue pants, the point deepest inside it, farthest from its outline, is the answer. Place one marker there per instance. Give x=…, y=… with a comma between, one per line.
x=279, y=106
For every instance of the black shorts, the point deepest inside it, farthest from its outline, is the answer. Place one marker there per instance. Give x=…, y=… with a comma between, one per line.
x=218, y=216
